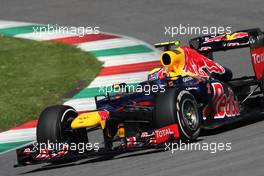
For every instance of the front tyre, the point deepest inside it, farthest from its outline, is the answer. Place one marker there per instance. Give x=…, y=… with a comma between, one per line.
x=54, y=126
x=178, y=106
x=187, y=116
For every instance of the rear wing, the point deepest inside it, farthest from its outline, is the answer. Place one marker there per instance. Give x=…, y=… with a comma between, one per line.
x=252, y=38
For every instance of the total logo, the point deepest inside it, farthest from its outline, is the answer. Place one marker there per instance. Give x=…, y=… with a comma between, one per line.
x=258, y=58
x=224, y=105
x=162, y=133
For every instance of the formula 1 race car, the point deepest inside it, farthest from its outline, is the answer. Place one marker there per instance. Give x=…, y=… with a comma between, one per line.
x=190, y=92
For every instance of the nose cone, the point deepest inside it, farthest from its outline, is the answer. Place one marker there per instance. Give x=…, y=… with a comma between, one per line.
x=90, y=119
x=86, y=120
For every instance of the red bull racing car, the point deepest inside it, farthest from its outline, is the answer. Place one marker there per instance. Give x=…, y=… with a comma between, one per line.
x=190, y=92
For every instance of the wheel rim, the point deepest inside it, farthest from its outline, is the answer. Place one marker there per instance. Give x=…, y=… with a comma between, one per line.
x=66, y=132
x=189, y=114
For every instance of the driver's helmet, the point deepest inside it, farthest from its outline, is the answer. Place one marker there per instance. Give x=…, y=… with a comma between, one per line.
x=157, y=74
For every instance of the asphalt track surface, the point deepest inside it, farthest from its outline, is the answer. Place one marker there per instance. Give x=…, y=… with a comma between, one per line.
x=145, y=19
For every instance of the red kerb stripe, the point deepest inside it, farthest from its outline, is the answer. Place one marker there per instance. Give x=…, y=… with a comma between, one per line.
x=130, y=68
x=86, y=38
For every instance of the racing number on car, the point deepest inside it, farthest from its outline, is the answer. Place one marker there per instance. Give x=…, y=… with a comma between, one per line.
x=224, y=104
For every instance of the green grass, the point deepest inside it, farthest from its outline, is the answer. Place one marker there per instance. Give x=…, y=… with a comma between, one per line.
x=34, y=75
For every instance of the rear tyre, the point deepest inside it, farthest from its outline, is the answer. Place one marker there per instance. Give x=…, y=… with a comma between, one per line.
x=178, y=106
x=54, y=125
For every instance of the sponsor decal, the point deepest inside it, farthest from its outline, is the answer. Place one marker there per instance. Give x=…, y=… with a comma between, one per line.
x=195, y=63
x=131, y=142
x=258, y=61
x=237, y=35
x=258, y=58
x=205, y=48
x=186, y=79
x=146, y=134
x=213, y=39
x=164, y=134
x=224, y=104
x=233, y=44
x=104, y=115
x=192, y=88
x=226, y=37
